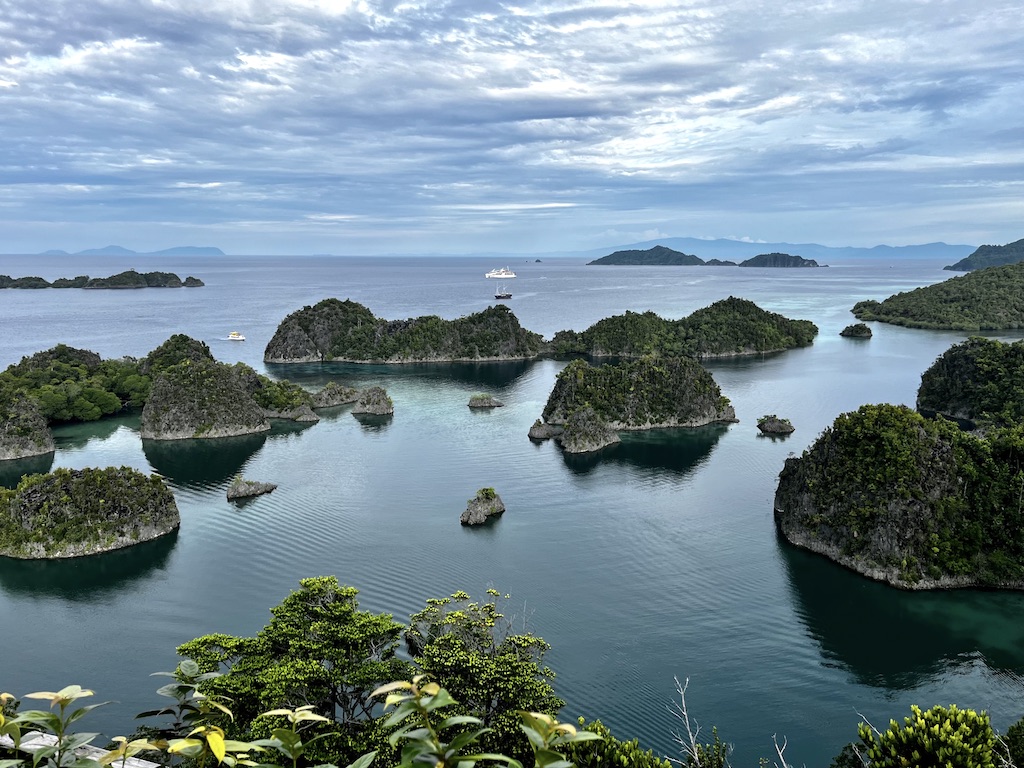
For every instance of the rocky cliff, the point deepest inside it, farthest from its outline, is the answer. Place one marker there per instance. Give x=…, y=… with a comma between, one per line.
x=485, y=505
x=374, y=401
x=348, y=331
x=23, y=430
x=202, y=399
x=640, y=394
x=74, y=512
x=585, y=432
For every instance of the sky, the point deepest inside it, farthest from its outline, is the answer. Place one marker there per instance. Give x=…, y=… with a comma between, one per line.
x=470, y=126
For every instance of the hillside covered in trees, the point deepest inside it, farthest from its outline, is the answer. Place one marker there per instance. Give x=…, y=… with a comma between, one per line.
x=990, y=256
x=986, y=300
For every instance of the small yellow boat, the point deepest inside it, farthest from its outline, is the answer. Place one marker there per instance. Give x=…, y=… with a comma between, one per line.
x=235, y=336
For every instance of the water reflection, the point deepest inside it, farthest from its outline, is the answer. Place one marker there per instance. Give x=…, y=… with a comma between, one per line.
x=891, y=638
x=679, y=451
x=372, y=422
x=483, y=375
x=11, y=472
x=74, y=436
x=87, y=578
x=202, y=463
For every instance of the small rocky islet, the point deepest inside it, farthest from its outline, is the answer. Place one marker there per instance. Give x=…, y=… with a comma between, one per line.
x=123, y=280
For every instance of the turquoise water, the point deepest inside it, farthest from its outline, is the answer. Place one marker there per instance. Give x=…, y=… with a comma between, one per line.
x=656, y=560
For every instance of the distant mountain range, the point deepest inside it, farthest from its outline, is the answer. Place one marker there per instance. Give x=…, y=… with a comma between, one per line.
x=117, y=250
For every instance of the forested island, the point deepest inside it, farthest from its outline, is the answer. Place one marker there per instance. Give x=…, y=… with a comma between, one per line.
x=128, y=279
x=348, y=331
x=990, y=256
x=75, y=512
x=988, y=299
x=662, y=256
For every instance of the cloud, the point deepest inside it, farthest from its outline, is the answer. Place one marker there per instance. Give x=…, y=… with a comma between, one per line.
x=546, y=123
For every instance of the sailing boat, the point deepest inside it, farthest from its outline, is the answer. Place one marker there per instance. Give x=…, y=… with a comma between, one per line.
x=505, y=290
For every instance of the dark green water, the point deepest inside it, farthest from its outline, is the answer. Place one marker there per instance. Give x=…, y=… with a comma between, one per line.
x=656, y=560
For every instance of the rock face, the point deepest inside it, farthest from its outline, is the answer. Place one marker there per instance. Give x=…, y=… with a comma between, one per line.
x=242, y=489
x=23, y=430
x=374, y=401
x=856, y=331
x=74, y=512
x=640, y=394
x=334, y=394
x=890, y=495
x=542, y=431
x=348, y=331
x=585, y=432
x=304, y=413
x=773, y=425
x=484, y=401
x=483, y=506
x=200, y=400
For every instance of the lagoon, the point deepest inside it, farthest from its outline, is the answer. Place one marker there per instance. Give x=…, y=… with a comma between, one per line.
x=657, y=560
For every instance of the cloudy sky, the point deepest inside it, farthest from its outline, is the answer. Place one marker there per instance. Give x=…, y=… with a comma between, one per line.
x=458, y=126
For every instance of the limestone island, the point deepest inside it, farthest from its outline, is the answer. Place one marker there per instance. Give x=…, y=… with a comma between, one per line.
x=482, y=507
x=591, y=403
x=75, y=512
x=483, y=400
x=896, y=497
x=780, y=260
x=244, y=489
x=771, y=424
x=23, y=429
x=374, y=401
x=984, y=300
x=976, y=383
x=856, y=331
x=128, y=279
x=990, y=256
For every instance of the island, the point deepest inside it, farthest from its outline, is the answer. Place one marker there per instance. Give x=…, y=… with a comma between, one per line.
x=117, y=250
x=75, y=512
x=770, y=424
x=23, y=429
x=987, y=299
x=990, y=256
x=895, y=496
x=484, y=400
x=659, y=255
x=241, y=488
x=856, y=331
x=122, y=280
x=347, y=331
x=728, y=328
x=977, y=383
x=485, y=506
x=374, y=401
x=640, y=394
x=779, y=260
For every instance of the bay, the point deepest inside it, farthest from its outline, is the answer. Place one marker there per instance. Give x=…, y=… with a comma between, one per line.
x=657, y=560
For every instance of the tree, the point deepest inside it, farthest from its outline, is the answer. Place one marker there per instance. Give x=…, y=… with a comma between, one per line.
x=469, y=649
x=939, y=737
x=319, y=650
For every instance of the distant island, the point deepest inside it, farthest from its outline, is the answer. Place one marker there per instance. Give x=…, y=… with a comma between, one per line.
x=988, y=299
x=660, y=255
x=990, y=256
x=117, y=250
x=129, y=279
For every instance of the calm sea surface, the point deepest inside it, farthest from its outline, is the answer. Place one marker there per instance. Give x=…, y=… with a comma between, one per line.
x=658, y=560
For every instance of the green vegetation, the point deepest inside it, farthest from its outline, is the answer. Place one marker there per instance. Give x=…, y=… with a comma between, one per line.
x=346, y=330
x=910, y=500
x=856, y=331
x=128, y=279
x=785, y=260
x=988, y=299
x=487, y=494
x=990, y=256
x=659, y=255
x=979, y=380
x=728, y=327
x=72, y=512
x=639, y=394
x=939, y=737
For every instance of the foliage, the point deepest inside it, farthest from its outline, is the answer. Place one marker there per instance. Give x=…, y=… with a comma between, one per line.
x=659, y=255
x=486, y=494
x=942, y=736
x=778, y=260
x=636, y=394
x=610, y=751
x=731, y=326
x=988, y=299
x=1014, y=741
x=990, y=256
x=771, y=417
x=177, y=349
x=319, y=650
x=915, y=496
x=71, y=512
x=856, y=331
x=981, y=380
x=346, y=330
x=469, y=648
